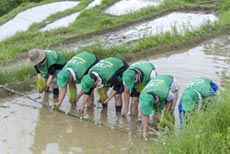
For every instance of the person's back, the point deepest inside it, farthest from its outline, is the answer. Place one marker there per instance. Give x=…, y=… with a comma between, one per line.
x=107, y=68
x=135, y=78
x=47, y=64
x=107, y=72
x=72, y=73
x=52, y=58
x=80, y=64
x=158, y=94
x=195, y=94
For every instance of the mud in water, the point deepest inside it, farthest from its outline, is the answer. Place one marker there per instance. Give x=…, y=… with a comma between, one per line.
x=178, y=21
x=24, y=19
x=128, y=6
x=27, y=127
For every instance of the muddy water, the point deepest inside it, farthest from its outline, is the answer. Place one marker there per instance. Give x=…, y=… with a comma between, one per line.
x=127, y=6
x=65, y=21
x=62, y=22
x=176, y=20
x=26, y=127
x=24, y=19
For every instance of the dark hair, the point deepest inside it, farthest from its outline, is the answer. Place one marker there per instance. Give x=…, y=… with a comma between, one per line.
x=93, y=76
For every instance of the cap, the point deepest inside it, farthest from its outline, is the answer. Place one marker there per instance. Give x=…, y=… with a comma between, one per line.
x=189, y=98
x=35, y=56
x=147, y=102
x=87, y=83
x=63, y=78
x=128, y=77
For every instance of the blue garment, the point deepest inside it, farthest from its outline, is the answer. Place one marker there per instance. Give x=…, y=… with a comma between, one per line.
x=213, y=89
x=212, y=93
x=181, y=112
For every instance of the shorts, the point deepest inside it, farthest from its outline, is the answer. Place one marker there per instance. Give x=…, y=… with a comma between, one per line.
x=120, y=89
x=134, y=93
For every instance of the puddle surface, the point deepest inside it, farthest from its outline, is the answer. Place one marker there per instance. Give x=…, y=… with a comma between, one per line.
x=62, y=22
x=127, y=6
x=28, y=128
x=65, y=21
x=176, y=20
x=93, y=4
x=23, y=20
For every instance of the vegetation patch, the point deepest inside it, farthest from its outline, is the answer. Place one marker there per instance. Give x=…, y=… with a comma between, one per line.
x=208, y=131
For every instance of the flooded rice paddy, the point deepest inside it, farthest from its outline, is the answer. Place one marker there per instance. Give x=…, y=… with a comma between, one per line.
x=62, y=22
x=27, y=127
x=23, y=20
x=128, y=6
x=179, y=21
x=67, y=20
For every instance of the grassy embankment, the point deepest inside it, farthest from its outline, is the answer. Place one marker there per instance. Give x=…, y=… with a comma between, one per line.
x=93, y=20
x=207, y=132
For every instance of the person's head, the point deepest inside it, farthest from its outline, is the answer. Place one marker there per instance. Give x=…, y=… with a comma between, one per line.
x=129, y=78
x=147, y=102
x=36, y=57
x=63, y=78
x=88, y=82
x=189, y=99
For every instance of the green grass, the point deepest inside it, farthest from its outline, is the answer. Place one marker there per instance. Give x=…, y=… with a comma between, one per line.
x=93, y=20
x=207, y=132
x=16, y=74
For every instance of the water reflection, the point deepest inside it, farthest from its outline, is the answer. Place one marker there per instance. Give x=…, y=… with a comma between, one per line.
x=127, y=6
x=18, y=118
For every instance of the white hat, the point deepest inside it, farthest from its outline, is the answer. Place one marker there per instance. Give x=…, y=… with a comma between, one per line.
x=35, y=56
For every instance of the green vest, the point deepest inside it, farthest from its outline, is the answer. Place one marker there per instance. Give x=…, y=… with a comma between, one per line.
x=202, y=85
x=107, y=67
x=146, y=69
x=159, y=86
x=52, y=57
x=80, y=64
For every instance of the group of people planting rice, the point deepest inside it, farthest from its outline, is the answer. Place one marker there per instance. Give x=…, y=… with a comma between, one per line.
x=139, y=82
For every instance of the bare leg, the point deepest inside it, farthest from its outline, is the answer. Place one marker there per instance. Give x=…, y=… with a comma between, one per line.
x=144, y=123
x=134, y=105
x=118, y=102
x=90, y=100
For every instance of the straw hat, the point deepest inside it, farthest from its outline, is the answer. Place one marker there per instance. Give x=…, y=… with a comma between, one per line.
x=35, y=56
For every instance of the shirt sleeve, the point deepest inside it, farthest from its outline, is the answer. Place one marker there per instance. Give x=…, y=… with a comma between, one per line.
x=200, y=100
x=153, y=74
x=52, y=69
x=170, y=96
x=36, y=68
x=213, y=89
